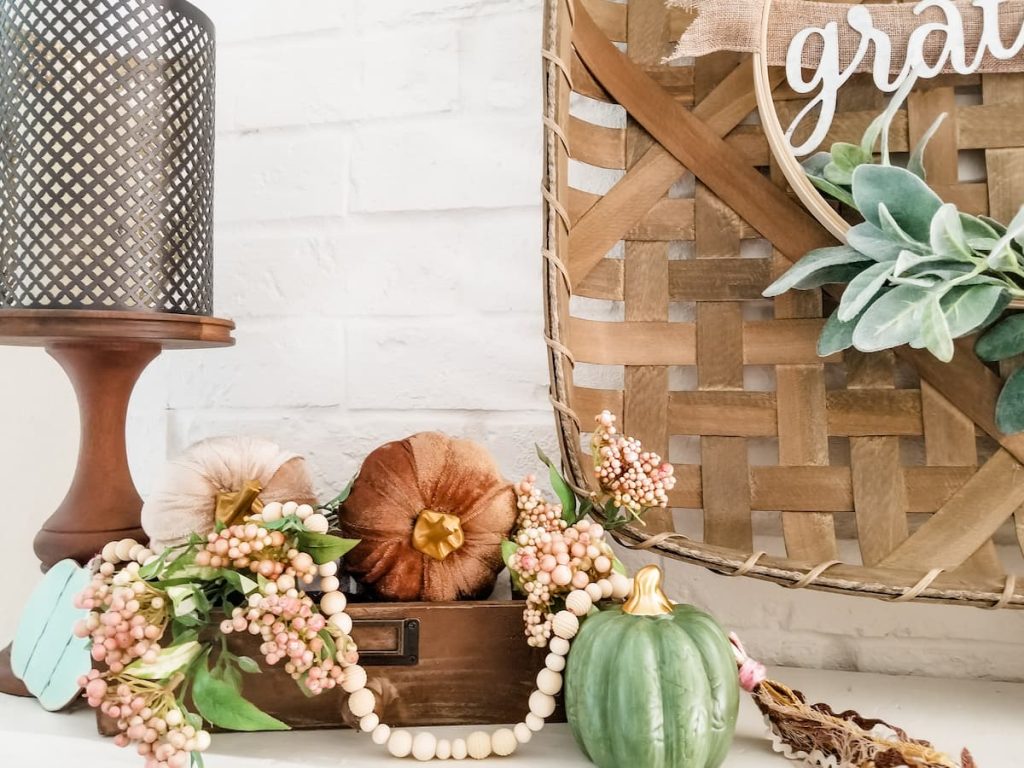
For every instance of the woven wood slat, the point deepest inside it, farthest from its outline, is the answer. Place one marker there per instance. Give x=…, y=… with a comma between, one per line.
x=770, y=442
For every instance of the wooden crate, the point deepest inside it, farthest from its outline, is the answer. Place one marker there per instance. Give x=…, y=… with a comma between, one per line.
x=429, y=664
x=881, y=475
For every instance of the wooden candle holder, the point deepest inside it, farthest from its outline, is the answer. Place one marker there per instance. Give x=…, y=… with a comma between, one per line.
x=103, y=354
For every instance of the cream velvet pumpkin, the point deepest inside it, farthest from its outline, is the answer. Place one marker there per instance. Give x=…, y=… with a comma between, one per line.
x=185, y=498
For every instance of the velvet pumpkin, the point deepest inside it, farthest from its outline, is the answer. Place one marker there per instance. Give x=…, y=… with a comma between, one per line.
x=430, y=512
x=652, y=685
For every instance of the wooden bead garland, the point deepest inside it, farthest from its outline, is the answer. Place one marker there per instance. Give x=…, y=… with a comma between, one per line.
x=425, y=746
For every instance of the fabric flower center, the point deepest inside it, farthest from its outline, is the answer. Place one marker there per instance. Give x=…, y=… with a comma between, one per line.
x=436, y=534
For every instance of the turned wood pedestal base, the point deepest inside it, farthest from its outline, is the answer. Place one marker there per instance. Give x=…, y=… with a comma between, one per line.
x=103, y=354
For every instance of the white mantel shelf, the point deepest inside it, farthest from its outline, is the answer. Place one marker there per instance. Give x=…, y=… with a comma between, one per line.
x=983, y=715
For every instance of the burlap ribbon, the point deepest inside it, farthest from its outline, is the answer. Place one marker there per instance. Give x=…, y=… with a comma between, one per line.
x=736, y=26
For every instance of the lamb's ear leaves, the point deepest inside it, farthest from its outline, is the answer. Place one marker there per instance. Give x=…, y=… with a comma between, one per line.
x=812, y=263
x=1003, y=340
x=1010, y=405
x=910, y=201
x=892, y=320
x=837, y=335
x=970, y=307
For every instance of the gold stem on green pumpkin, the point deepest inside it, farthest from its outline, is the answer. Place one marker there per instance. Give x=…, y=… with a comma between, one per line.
x=436, y=534
x=647, y=599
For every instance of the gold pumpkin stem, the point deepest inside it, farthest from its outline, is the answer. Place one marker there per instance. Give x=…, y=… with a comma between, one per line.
x=647, y=599
x=232, y=506
x=436, y=534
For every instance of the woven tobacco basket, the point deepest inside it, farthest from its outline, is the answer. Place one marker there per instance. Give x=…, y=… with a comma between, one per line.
x=880, y=475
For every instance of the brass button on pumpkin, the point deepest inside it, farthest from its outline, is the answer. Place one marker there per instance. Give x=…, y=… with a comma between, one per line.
x=436, y=534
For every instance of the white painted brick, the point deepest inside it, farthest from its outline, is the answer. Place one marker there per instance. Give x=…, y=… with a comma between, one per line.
x=281, y=176
x=446, y=163
x=408, y=72
x=269, y=18
x=290, y=271
x=426, y=264
x=289, y=362
x=486, y=363
x=501, y=65
x=287, y=81
x=418, y=11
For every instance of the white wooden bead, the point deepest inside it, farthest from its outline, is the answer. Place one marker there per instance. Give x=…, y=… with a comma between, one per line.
x=124, y=549
x=109, y=553
x=549, y=682
x=594, y=591
x=381, y=734
x=316, y=523
x=443, y=750
x=328, y=569
x=133, y=553
x=503, y=742
x=559, y=646
x=478, y=745
x=424, y=746
x=144, y=555
x=288, y=509
x=303, y=512
x=606, y=588
x=459, y=749
x=342, y=621
x=354, y=680
x=578, y=602
x=523, y=733
x=554, y=662
x=271, y=512
x=533, y=722
x=332, y=603
x=565, y=624
x=541, y=704
x=620, y=586
x=368, y=723
x=329, y=584
x=400, y=743
x=362, y=702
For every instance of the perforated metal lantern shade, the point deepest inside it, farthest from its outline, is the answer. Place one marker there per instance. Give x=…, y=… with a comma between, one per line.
x=106, y=155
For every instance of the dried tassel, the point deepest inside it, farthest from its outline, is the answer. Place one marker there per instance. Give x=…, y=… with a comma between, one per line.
x=819, y=736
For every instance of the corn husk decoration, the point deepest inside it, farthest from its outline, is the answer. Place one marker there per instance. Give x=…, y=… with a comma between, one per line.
x=817, y=735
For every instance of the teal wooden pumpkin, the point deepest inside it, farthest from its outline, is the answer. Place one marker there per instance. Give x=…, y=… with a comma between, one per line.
x=652, y=685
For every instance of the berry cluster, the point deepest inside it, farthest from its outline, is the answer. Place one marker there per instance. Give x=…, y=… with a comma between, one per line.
x=126, y=619
x=148, y=716
x=635, y=479
x=291, y=628
x=248, y=545
x=553, y=559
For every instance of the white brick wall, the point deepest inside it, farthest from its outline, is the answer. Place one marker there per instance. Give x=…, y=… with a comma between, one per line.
x=378, y=170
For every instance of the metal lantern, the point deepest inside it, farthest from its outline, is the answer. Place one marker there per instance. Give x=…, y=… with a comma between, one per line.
x=106, y=155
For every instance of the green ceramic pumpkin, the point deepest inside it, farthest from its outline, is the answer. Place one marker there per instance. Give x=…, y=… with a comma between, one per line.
x=652, y=685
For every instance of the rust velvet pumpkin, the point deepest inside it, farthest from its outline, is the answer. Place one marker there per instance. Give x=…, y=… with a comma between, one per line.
x=430, y=512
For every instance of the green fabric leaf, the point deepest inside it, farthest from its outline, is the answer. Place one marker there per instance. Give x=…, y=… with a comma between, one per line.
x=221, y=705
x=892, y=320
x=508, y=548
x=323, y=547
x=873, y=242
x=813, y=262
x=249, y=665
x=1003, y=340
x=862, y=289
x=935, y=335
x=911, y=203
x=562, y=489
x=1010, y=405
x=970, y=307
x=168, y=661
x=341, y=498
